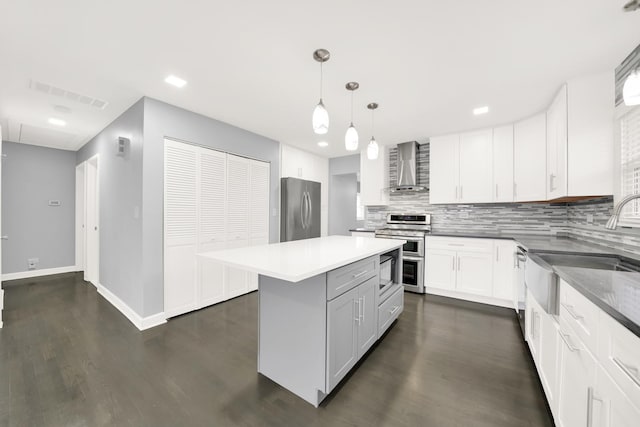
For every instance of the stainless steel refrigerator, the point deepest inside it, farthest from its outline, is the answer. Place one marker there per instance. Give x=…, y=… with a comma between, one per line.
x=299, y=209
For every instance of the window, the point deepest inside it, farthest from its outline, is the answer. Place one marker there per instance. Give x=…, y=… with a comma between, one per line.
x=630, y=163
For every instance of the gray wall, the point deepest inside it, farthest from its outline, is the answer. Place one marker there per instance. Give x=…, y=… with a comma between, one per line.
x=120, y=183
x=342, y=203
x=343, y=180
x=31, y=176
x=163, y=120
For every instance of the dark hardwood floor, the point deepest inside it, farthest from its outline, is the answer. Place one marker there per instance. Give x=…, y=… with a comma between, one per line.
x=68, y=358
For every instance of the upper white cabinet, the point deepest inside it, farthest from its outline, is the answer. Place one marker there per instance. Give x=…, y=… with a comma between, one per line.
x=557, y=146
x=443, y=169
x=529, y=159
x=373, y=178
x=503, y=164
x=460, y=168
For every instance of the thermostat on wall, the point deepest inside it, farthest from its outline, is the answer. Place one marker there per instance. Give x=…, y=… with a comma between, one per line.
x=55, y=203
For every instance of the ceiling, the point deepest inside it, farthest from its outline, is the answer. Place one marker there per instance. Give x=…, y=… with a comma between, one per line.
x=249, y=63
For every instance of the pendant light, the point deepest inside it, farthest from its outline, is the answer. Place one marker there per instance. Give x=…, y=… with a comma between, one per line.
x=372, y=148
x=631, y=88
x=320, y=118
x=351, y=137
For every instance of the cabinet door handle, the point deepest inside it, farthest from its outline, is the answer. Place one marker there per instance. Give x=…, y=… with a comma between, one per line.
x=362, y=306
x=497, y=253
x=461, y=196
x=497, y=191
x=551, y=178
x=459, y=263
x=456, y=192
x=515, y=190
x=357, y=318
x=566, y=339
x=453, y=263
x=590, y=398
x=630, y=371
x=572, y=312
x=394, y=310
x=355, y=276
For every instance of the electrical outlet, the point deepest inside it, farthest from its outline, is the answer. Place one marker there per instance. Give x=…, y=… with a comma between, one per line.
x=32, y=263
x=589, y=218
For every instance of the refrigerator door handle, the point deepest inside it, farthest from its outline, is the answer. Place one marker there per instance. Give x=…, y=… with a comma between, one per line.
x=302, y=203
x=309, y=208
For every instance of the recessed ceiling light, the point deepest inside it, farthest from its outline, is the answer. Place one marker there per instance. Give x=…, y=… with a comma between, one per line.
x=480, y=110
x=323, y=144
x=175, y=81
x=62, y=109
x=57, y=122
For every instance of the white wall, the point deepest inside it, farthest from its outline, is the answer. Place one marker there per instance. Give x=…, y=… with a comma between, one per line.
x=304, y=165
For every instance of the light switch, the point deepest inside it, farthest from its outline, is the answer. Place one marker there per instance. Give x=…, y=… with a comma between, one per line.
x=55, y=203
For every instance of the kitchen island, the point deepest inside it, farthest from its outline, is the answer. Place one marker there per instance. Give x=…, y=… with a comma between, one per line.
x=320, y=306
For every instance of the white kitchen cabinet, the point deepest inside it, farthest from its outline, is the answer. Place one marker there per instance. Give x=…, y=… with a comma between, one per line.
x=532, y=326
x=460, y=168
x=530, y=159
x=443, y=169
x=440, y=268
x=352, y=328
x=557, y=146
x=474, y=273
x=213, y=201
x=503, y=164
x=610, y=406
x=576, y=378
x=504, y=269
x=475, y=166
x=374, y=182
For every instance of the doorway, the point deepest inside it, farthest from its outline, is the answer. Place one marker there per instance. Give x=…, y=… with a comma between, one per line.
x=88, y=220
x=343, y=201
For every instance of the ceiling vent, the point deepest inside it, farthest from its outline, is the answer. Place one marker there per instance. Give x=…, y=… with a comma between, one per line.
x=67, y=94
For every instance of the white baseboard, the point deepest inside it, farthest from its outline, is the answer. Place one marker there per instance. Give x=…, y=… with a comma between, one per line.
x=470, y=297
x=139, y=322
x=38, y=273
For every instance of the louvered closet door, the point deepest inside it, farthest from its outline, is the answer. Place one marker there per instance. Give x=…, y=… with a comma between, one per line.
x=258, y=209
x=212, y=214
x=180, y=228
x=236, y=281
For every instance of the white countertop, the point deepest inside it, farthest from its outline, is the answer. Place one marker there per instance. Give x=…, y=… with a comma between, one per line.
x=301, y=259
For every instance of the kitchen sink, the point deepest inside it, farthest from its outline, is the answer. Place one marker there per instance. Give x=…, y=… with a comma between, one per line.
x=612, y=263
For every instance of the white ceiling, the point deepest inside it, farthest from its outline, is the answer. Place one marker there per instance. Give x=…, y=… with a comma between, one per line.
x=249, y=63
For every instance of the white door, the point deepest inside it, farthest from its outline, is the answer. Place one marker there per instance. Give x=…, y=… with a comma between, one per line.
x=92, y=222
x=212, y=173
x=475, y=169
x=530, y=159
x=610, y=406
x=342, y=339
x=180, y=228
x=503, y=164
x=237, y=221
x=368, y=314
x=548, y=359
x=443, y=169
x=258, y=210
x=440, y=269
x=80, y=215
x=557, y=146
x=474, y=273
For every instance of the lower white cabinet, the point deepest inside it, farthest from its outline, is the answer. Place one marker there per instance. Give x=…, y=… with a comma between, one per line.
x=352, y=325
x=480, y=270
x=609, y=406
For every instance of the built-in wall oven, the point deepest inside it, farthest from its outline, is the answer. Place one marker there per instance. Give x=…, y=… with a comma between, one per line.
x=412, y=228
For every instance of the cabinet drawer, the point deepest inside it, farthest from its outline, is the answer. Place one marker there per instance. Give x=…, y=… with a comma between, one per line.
x=619, y=354
x=581, y=314
x=390, y=310
x=344, y=278
x=460, y=243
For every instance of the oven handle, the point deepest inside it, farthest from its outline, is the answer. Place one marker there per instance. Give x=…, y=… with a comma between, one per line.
x=413, y=258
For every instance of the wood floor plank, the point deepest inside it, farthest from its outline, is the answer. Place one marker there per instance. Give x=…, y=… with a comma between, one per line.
x=69, y=358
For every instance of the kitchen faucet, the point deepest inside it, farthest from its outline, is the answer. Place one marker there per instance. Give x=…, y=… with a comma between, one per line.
x=613, y=221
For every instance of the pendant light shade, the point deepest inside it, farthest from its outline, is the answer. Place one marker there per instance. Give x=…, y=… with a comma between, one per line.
x=320, y=118
x=351, y=137
x=372, y=148
x=631, y=88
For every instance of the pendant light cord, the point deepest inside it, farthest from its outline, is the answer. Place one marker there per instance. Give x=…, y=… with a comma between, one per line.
x=321, y=81
x=373, y=131
x=352, y=108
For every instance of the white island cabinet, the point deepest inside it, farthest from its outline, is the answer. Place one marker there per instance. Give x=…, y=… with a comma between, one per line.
x=320, y=307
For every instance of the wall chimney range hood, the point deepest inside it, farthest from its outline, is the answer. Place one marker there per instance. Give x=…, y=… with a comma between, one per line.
x=407, y=169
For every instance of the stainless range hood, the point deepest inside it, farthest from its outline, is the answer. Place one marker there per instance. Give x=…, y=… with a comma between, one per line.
x=407, y=169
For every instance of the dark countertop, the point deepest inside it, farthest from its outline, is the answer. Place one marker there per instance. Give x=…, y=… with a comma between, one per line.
x=615, y=292
x=363, y=230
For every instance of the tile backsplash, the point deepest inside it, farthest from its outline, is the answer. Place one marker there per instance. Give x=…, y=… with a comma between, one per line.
x=585, y=219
